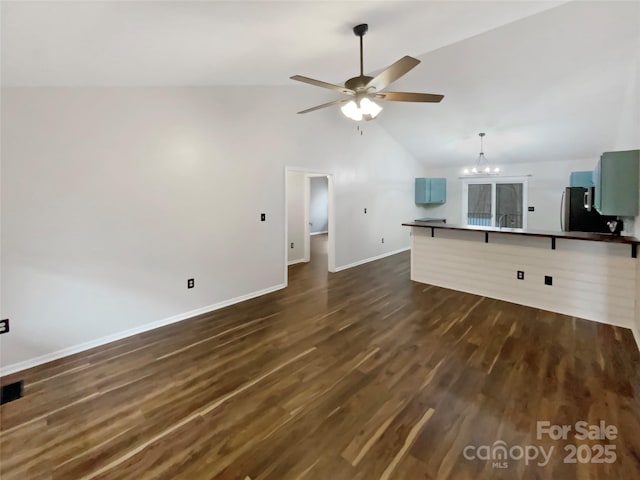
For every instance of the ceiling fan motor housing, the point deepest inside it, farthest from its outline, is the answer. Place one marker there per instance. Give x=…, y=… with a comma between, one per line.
x=358, y=84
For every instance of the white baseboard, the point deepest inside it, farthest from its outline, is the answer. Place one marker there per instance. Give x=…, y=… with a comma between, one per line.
x=371, y=259
x=319, y=233
x=65, y=352
x=293, y=262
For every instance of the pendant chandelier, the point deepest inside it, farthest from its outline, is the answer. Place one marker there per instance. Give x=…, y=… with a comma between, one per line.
x=482, y=166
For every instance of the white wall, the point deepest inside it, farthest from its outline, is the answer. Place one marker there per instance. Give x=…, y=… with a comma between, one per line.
x=636, y=220
x=318, y=206
x=295, y=215
x=546, y=184
x=113, y=197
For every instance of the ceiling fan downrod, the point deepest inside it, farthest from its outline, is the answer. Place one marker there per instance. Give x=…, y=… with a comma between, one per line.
x=360, y=31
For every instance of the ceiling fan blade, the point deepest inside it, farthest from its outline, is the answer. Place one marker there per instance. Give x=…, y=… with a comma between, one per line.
x=324, y=105
x=393, y=73
x=319, y=83
x=410, y=97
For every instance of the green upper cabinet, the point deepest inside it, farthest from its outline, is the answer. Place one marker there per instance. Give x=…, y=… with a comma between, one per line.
x=581, y=179
x=616, y=179
x=431, y=190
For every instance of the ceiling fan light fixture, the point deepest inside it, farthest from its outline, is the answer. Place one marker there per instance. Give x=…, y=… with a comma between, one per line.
x=369, y=108
x=352, y=111
x=363, y=109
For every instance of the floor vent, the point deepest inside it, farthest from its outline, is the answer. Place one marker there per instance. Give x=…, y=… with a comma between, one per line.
x=11, y=392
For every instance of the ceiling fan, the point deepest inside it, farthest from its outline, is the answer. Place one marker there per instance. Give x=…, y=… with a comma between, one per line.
x=362, y=90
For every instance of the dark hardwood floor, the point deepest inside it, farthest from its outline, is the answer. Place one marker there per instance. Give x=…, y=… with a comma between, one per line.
x=357, y=375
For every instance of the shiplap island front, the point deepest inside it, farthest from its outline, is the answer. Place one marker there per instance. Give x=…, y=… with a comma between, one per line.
x=592, y=276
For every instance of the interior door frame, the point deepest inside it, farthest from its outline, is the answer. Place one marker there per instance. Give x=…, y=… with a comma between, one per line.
x=331, y=213
x=307, y=213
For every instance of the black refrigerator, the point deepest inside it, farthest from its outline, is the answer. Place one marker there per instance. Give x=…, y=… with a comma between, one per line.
x=578, y=213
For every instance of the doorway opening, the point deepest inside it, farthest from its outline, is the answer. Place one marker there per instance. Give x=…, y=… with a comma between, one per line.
x=309, y=219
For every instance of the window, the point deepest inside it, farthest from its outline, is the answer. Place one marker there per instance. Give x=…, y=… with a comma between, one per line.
x=489, y=202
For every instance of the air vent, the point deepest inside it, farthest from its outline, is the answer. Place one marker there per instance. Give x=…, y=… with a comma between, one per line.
x=11, y=392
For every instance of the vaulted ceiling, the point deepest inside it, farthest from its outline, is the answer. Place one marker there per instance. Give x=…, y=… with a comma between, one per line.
x=562, y=84
x=540, y=78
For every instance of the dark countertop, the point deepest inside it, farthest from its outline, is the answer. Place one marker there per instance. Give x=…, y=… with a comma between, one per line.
x=593, y=237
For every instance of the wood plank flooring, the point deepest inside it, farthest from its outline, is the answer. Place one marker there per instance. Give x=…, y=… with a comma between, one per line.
x=356, y=375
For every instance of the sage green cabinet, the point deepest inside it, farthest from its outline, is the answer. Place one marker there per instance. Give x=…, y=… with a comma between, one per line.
x=617, y=181
x=431, y=190
x=581, y=179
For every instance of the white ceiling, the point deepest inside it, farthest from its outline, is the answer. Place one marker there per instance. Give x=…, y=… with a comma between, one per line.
x=560, y=85
x=544, y=80
x=74, y=43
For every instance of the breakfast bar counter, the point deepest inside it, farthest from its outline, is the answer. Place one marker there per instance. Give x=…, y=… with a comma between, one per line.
x=587, y=275
x=588, y=236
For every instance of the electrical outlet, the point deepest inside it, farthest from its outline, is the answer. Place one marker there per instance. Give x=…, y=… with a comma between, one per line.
x=548, y=280
x=4, y=326
x=291, y=244
x=263, y=217
x=191, y=282
x=520, y=275
x=365, y=210
x=532, y=209
x=382, y=239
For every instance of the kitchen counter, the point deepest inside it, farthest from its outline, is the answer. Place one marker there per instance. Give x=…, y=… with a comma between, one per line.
x=593, y=237
x=586, y=275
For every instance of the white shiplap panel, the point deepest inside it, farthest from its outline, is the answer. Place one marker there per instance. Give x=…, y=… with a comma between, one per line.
x=590, y=284
x=524, y=291
x=596, y=259
x=593, y=282
x=620, y=273
x=586, y=282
